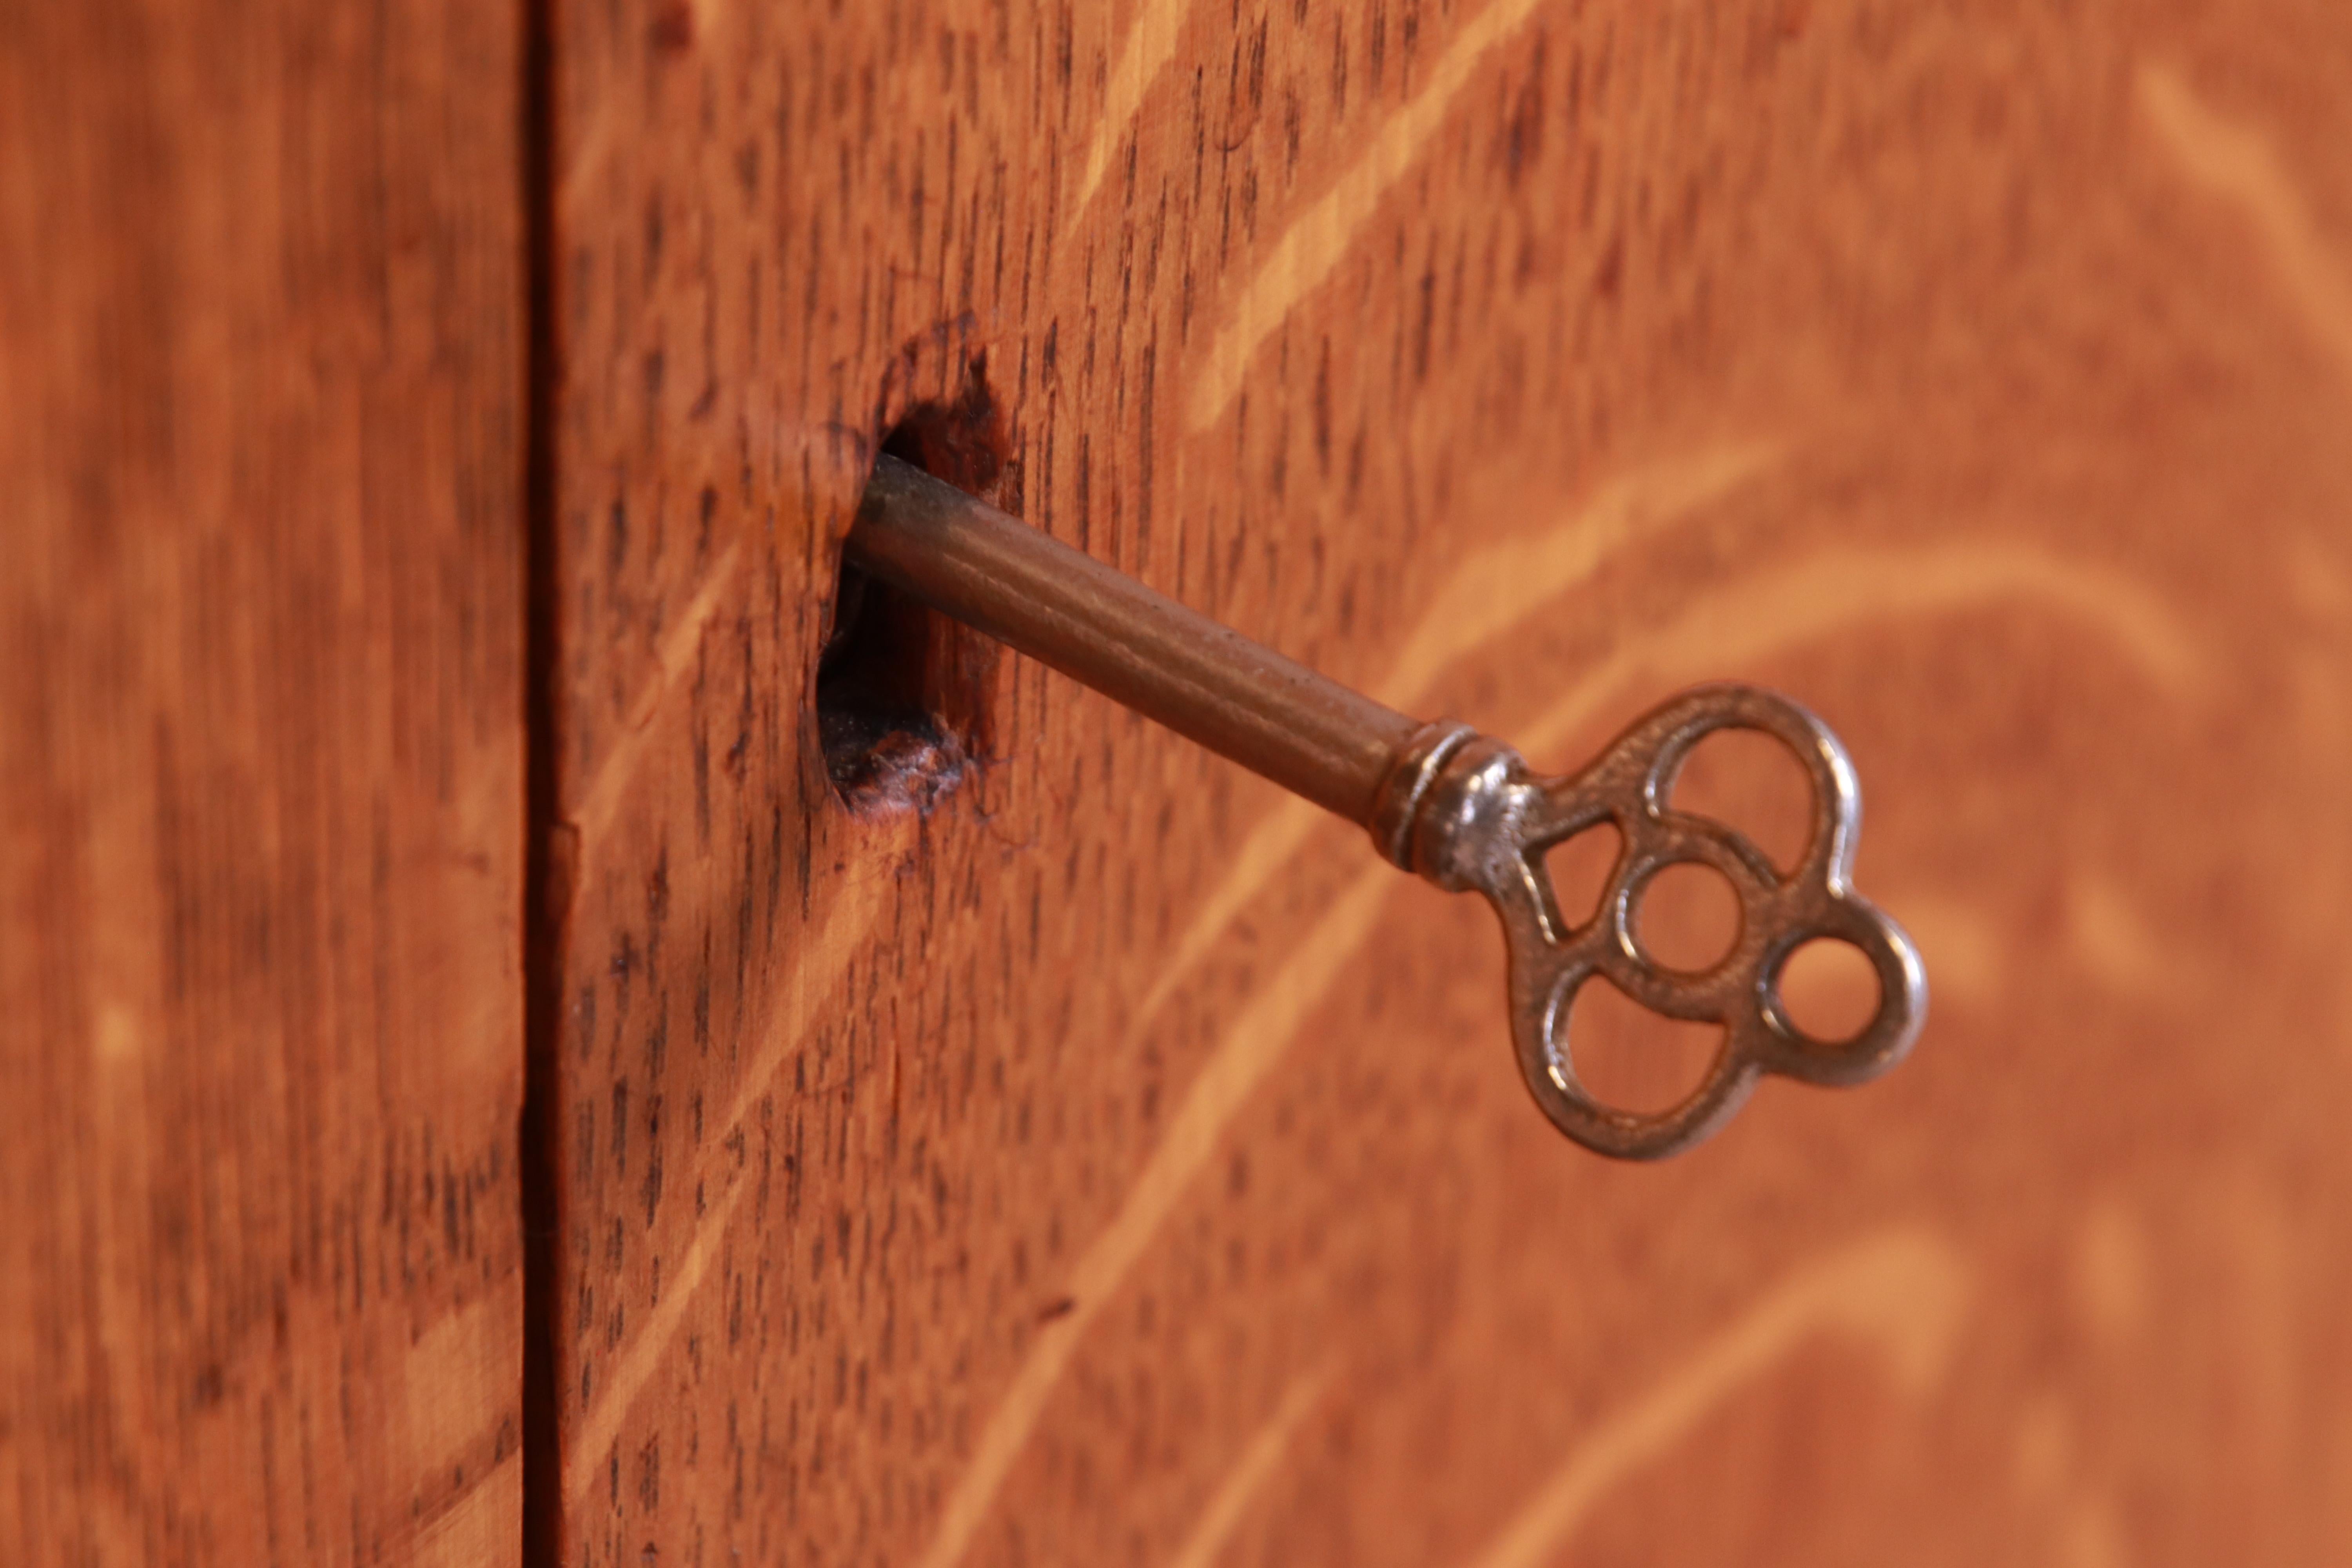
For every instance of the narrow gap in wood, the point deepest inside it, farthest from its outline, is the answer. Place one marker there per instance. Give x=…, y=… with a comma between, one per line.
x=547, y=858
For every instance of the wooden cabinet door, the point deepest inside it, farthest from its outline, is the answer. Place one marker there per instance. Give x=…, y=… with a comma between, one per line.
x=1078, y=1152
x=261, y=752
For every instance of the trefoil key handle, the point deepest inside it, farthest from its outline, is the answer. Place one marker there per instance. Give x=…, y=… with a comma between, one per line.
x=1458, y=808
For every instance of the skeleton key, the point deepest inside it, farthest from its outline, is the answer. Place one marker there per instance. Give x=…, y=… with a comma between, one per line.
x=1458, y=808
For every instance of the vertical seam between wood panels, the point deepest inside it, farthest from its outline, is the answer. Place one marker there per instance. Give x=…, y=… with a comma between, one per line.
x=546, y=902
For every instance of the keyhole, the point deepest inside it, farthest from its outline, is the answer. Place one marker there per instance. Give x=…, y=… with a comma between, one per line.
x=905, y=697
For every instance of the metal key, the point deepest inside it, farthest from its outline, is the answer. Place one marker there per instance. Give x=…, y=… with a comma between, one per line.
x=1458, y=808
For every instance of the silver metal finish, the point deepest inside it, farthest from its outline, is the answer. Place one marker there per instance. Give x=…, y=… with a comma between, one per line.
x=1464, y=812
x=1458, y=808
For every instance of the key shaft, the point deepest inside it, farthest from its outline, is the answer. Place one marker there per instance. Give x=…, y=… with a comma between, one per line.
x=1206, y=681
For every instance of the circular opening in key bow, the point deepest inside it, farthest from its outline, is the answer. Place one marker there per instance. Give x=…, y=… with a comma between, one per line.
x=1751, y=781
x=1685, y=916
x=1829, y=990
x=1628, y=1059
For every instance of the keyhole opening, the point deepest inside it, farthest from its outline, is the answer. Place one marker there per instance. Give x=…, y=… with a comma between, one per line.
x=905, y=696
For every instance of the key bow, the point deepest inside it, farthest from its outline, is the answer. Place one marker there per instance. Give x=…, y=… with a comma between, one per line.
x=1463, y=810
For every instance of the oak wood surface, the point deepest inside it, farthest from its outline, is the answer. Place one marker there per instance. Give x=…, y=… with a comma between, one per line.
x=261, y=744
x=1117, y=1163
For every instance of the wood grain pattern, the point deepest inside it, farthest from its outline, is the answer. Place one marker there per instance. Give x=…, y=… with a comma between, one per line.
x=1117, y=1165
x=260, y=785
